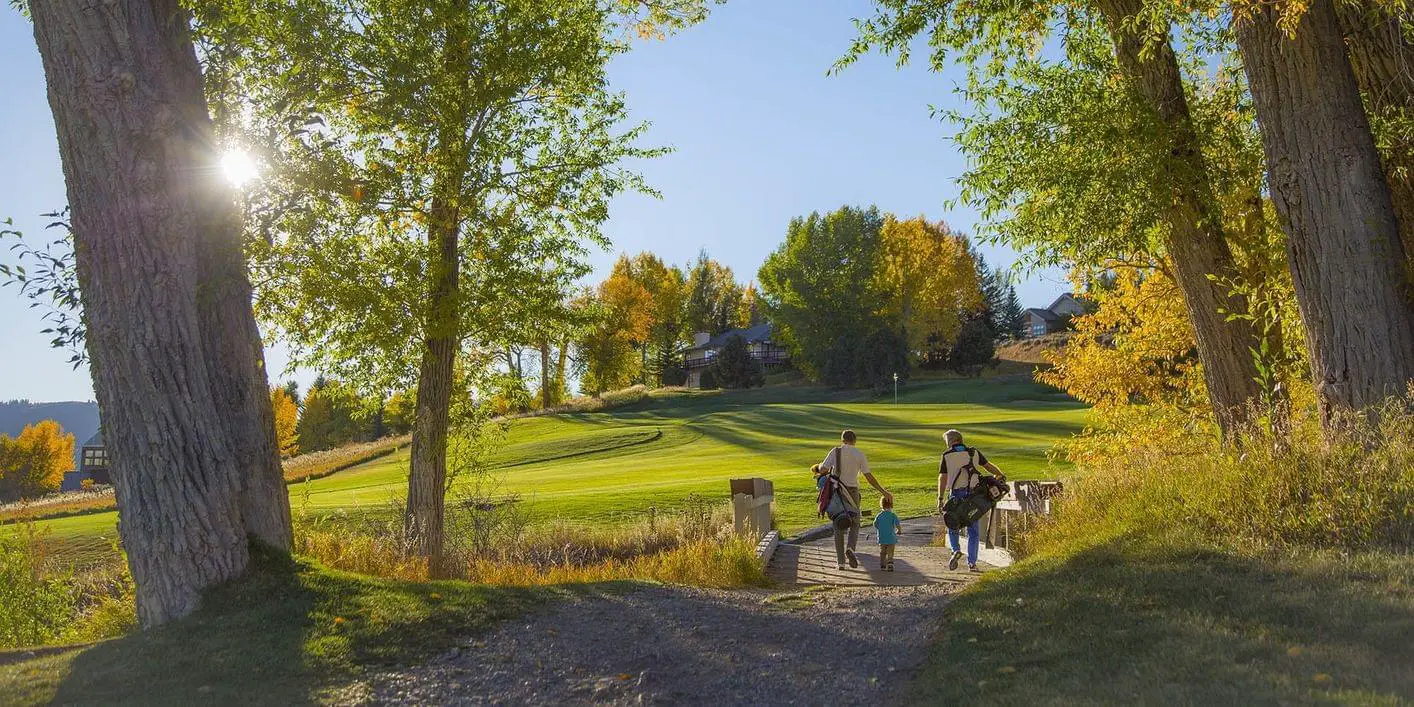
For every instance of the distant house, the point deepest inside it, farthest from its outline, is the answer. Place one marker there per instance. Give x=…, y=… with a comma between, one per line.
x=1040, y=322
x=93, y=465
x=763, y=348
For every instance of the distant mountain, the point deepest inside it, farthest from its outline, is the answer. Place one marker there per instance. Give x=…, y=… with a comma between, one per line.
x=78, y=419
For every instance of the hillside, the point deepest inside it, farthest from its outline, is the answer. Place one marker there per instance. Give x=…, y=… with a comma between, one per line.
x=613, y=467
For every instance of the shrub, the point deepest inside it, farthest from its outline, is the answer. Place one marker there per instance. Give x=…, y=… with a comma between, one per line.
x=734, y=366
x=1353, y=491
x=674, y=375
x=35, y=607
x=974, y=348
x=709, y=379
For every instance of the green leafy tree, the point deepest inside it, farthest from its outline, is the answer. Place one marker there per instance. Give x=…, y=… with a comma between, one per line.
x=821, y=290
x=714, y=299
x=1131, y=149
x=734, y=366
x=882, y=355
x=447, y=156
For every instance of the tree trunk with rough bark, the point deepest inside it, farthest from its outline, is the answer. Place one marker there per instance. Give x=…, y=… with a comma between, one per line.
x=235, y=360
x=1382, y=56
x=1196, y=242
x=1328, y=185
x=135, y=142
x=427, y=478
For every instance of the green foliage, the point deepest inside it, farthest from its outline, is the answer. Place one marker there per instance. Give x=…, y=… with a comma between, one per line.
x=708, y=379
x=332, y=417
x=379, y=123
x=734, y=367
x=35, y=608
x=975, y=346
x=881, y=355
x=820, y=289
x=50, y=283
x=674, y=375
x=714, y=299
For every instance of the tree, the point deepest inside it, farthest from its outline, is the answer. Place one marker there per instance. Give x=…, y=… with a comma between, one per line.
x=34, y=463
x=1109, y=172
x=667, y=293
x=1348, y=264
x=881, y=356
x=462, y=147
x=333, y=416
x=398, y=412
x=931, y=280
x=734, y=367
x=713, y=298
x=1012, y=317
x=975, y=346
x=175, y=352
x=821, y=290
x=286, y=417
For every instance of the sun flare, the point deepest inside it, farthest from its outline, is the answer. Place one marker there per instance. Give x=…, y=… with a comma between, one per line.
x=238, y=167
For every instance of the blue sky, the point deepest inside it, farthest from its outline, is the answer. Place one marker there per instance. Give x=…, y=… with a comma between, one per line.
x=761, y=134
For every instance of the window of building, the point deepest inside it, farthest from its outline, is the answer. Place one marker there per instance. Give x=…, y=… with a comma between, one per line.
x=95, y=457
x=1038, y=329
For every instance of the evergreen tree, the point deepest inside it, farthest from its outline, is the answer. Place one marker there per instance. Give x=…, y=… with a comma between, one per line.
x=734, y=366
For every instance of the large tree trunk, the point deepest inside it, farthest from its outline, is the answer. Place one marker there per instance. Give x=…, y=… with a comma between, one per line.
x=135, y=141
x=1328, y=185
x=1196, y=242
x=1382, y=56
x=235, y=360
x=427, y=478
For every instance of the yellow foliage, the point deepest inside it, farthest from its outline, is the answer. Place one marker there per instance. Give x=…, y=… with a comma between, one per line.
x=1136, y=347
x=932, y=277
x=34, y=463
x=286, y=417
x=628, y=307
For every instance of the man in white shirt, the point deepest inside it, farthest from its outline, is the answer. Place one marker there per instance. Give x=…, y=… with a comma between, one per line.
x=848, y=463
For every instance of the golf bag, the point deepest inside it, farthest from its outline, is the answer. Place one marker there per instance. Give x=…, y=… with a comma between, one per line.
x=834, y=501
x=958, y=513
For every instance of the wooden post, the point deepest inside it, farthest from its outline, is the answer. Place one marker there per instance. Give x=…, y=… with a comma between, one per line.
x=752, y=500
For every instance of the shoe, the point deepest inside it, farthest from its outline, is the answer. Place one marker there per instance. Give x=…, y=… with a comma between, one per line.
x=952, y=561
x=839, y=567
x=889, y=567
x=853, y=561
x=973, y=568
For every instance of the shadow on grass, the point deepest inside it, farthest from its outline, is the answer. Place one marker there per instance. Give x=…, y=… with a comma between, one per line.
x=288, y=633
x=1173, y=622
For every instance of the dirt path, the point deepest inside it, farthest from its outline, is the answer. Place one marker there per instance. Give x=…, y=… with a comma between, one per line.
x=679, y=645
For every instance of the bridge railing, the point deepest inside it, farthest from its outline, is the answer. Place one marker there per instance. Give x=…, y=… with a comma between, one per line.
x=753, y=505
x=1027, y=499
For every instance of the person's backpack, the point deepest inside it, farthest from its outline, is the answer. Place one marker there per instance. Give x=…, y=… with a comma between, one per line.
x=961, y=464
x=834, y=501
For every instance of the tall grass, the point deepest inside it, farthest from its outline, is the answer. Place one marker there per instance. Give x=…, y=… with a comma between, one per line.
x=492, y=543
x=1347, y=490
x=41, y=604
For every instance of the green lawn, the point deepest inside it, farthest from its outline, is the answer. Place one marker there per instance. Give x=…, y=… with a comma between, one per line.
x=612, y=466
x=287, y=633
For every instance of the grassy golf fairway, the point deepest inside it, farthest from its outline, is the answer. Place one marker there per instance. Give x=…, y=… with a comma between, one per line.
x=613, y=466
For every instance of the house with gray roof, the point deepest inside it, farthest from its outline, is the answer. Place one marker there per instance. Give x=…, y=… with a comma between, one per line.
x=93, y=466
x=1056, y=317
x=759, y=344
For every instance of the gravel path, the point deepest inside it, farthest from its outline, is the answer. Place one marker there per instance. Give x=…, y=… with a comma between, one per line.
x=679, y=645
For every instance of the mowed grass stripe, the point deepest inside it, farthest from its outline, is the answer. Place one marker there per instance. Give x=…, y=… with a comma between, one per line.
x=612, y=467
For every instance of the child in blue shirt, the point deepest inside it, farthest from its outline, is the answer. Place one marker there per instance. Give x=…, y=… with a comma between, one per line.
x=889, y=528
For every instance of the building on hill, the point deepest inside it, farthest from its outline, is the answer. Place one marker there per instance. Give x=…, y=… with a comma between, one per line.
x=93, y=466
x=759, y=344
x=1056, y=317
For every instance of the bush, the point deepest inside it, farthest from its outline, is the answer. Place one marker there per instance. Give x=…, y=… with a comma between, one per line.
x=881, y=355
x=1351, y=492
x=840, y=370
x=709, y=379
x=40, y=606
x=734, y=366
x=674, y=375
x=974, y=348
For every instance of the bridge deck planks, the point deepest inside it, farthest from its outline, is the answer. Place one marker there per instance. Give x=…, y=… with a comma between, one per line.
x=916, y=561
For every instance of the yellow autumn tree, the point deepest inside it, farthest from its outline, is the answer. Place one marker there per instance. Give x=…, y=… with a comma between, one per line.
x=931, y=280
x=34, y=463
x=286, y=418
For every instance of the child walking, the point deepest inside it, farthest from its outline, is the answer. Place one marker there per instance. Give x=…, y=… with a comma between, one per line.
x=888, y=526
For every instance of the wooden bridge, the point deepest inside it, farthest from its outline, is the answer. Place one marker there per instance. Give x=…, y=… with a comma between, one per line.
x=921, y=556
